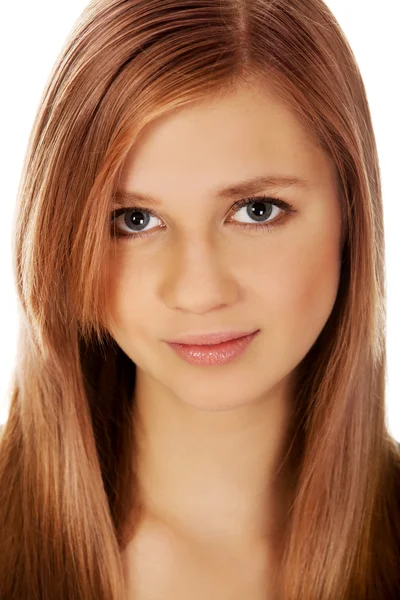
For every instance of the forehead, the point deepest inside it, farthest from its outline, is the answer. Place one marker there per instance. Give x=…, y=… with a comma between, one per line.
x=221, y=140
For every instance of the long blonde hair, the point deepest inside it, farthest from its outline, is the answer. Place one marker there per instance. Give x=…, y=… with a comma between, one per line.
x=68, y=501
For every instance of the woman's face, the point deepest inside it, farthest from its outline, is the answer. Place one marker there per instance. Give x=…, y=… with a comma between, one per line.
x=202, y=266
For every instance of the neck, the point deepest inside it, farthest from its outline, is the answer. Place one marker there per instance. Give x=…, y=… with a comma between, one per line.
x=214, y=475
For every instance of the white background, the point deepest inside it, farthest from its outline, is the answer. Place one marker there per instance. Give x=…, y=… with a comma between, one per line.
x=32, y=36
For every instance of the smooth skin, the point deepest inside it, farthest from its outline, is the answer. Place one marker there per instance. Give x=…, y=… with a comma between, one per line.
x=213, y=436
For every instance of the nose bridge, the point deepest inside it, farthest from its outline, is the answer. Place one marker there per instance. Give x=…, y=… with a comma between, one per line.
x=198, y=277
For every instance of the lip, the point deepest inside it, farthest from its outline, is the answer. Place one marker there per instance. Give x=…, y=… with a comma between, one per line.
x=214, y=354
x=208, y=339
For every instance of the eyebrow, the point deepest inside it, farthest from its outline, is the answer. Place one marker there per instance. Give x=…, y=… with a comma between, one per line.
x=235, y=191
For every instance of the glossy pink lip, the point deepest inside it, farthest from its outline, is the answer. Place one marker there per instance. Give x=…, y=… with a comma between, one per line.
x=214, y=354
x=210, y=338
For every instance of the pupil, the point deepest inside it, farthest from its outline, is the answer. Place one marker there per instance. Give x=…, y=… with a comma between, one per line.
x=257, y=210
x=137, y=219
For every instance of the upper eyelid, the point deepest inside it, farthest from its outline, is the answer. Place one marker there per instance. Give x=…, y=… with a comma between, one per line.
x=236, y=205
x=256, y=186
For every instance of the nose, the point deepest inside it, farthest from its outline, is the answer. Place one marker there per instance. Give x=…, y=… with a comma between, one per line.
x=198, y=279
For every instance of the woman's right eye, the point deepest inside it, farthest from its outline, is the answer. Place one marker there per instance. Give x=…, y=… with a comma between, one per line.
x=131, y=218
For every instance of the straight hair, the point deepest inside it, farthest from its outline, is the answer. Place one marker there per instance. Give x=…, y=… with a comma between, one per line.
x=69, y=500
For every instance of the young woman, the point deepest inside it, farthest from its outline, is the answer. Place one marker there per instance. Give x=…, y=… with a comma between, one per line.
x=201, y=171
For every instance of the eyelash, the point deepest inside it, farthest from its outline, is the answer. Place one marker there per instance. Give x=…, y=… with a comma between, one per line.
x=285, y=206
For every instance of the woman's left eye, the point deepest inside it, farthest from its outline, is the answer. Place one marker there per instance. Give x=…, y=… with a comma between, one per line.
x=260, y=208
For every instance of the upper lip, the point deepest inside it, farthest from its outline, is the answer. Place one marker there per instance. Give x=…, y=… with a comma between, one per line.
x=203, y=339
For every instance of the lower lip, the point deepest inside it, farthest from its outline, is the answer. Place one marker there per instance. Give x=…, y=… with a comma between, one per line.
x=216, y=354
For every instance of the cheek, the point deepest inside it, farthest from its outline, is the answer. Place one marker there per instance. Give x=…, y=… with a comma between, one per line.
x=301, y=295
x=125, y=301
